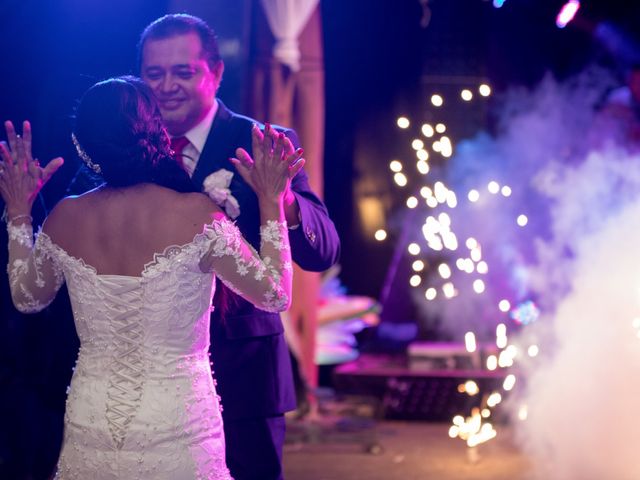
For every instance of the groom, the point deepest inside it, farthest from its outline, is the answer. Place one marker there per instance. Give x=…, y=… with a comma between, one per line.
x=178, y=57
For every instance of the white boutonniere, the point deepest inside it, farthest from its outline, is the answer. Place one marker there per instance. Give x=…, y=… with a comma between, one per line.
x=216, y=186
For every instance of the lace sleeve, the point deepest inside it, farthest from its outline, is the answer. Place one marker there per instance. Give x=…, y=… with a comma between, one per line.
x=34, y=278
x=264, y=279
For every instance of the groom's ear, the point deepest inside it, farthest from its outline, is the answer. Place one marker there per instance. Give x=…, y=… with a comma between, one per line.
x=217, y=69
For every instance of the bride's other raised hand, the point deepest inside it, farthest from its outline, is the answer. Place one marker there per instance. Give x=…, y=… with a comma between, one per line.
x=274, y=163
x=21, y=176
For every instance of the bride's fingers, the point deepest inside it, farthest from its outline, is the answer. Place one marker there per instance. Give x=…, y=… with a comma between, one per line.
x=288, y=146
x=278, y=149
x=22, y=160
x=241, y=167
x=51, y=168
x=296, y=167
x=34, y=169
x=256, y=133
x=5, y=154
x=244, y=172
x=276, y=153
x=267, y=142
x=293, y=157
x=256, y=139
x=26, y=139
x=244, y=158
x=12, y=138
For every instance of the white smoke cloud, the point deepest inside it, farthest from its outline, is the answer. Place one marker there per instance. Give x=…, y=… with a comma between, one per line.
x=584, y=395
x=573, y=175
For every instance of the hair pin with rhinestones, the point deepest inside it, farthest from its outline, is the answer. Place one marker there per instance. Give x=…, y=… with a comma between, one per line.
x=84, y=155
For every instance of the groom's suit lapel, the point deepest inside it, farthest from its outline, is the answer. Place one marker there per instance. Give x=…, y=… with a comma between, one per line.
x=228, y=132
x=217, y=149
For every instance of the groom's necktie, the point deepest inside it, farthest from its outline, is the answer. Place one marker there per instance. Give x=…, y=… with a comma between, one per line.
x=177, y=145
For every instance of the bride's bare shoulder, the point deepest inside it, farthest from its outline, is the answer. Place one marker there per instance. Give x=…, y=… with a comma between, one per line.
x=202, y=207
x=180, y=208
x=63, y=215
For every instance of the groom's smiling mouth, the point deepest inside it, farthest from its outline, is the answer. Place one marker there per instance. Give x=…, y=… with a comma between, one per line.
x=172, y=103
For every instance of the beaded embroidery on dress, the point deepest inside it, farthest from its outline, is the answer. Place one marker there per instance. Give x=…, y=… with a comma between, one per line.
x=142, y=402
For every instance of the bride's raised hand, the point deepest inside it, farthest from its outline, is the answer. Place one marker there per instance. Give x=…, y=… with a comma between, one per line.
x=21, y=177
x=274, y=163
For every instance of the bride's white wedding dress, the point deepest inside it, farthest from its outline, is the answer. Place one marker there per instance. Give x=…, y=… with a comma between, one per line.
x=142, y=401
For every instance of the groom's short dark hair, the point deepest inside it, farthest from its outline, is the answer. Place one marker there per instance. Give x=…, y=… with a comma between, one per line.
x=181, y=24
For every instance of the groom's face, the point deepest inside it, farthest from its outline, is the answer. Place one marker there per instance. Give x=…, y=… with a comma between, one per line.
x=183, y=80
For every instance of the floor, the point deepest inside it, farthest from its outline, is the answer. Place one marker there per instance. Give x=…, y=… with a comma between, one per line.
x=408, y=450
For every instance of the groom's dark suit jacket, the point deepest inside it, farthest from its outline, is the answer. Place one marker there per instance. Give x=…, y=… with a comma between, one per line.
x=250, y=356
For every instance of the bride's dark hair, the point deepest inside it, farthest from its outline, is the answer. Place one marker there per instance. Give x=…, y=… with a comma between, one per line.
x=119, y=126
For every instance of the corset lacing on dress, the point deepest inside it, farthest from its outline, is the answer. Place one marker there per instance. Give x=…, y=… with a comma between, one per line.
x=124, y=390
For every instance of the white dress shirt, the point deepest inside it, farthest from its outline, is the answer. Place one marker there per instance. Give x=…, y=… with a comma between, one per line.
x=197, y=137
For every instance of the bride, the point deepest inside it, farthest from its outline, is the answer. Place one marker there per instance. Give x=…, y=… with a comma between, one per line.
x=140, y=255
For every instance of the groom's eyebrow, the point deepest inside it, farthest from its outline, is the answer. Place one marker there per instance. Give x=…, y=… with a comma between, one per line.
x=152, y=67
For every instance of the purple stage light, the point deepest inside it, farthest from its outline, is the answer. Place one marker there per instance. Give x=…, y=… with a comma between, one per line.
x=567, y=13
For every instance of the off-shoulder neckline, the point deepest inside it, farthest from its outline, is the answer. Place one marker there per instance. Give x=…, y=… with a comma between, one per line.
x=149, y=266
